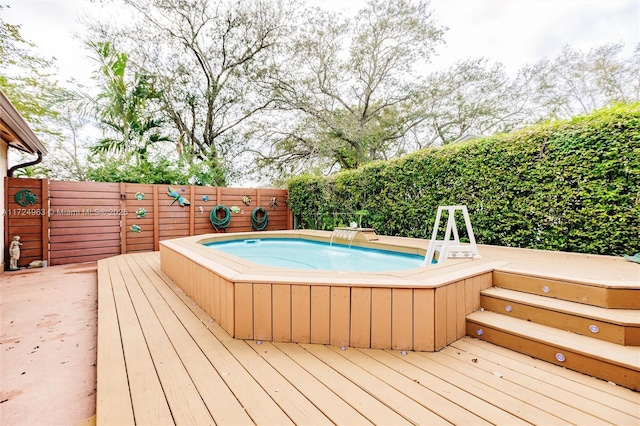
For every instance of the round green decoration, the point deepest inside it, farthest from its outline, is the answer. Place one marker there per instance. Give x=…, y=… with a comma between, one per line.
x=25, y=197
x=141, y=212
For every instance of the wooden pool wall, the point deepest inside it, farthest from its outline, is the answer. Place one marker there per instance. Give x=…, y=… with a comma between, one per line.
x=328, y=309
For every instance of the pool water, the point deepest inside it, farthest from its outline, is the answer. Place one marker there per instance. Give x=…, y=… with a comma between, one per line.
x=303, y=254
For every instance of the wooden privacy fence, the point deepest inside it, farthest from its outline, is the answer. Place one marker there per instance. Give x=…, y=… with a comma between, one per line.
x=72, y=222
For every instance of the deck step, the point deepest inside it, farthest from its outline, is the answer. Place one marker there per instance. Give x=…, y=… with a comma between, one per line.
x=620, y=326
x=605, y=360
x=589, y=293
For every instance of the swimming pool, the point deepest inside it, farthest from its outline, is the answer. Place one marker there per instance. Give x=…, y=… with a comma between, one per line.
x=420, y=308
x=315, y=255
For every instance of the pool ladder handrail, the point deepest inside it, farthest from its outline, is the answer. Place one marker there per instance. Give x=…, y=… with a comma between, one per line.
x=451, y=247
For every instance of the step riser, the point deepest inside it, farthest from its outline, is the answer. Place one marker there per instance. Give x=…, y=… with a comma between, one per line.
x=606, y=331
x=548, y=352
x=572, y=292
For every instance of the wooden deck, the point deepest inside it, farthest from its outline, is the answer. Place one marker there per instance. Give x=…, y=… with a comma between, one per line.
x=163, y=360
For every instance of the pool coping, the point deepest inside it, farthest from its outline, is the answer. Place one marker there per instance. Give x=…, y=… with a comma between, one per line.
x=586, y=269
x=239, y=270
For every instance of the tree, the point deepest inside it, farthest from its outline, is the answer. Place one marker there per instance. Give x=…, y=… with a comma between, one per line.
x=123, y=106
x=474, y=97
x=26, y=78
x=578, y=82
x=206, y=57
x=350, y=92
x=29, y=81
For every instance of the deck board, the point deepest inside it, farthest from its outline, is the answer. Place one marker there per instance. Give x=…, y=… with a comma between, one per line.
x=169, y=362
x=586, y=400
x=549, y=399
x=616, y=397
x=187, y=407
x=114, y=400
x=413, y=389
x=212, y=389
x=147, y=396
x=259, y=406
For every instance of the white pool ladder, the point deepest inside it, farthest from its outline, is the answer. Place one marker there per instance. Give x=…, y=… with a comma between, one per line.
x=451, y=248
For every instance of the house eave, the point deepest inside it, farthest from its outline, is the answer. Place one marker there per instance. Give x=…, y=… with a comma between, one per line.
x=15, y=131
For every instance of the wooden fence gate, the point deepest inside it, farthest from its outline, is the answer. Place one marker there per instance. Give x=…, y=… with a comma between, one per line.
x=71, y=222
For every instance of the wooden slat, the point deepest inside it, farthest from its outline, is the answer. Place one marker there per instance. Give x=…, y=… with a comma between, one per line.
x=215, y=394
x=243, y=323
x=334, y=407
x=113, y=400
x=367, y=405
x=582, y=398
x=452, y=313
x=186, y=406
x=281, y=312
x=450, y=390
x=301, y=313
x=424, y=319
x=340, y=316
x=211, y=338
x=262, y=312
x=440, y=315
x=380, y=317
x=147, y=397
x=502, y=399
x=617, y=397
x=412, y=388
x=403, y=406
x=320, y=314
x=402, y=318
x=361, y=317
x=461, y=309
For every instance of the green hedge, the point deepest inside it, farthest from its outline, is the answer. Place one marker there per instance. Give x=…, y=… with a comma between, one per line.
x=565, y=185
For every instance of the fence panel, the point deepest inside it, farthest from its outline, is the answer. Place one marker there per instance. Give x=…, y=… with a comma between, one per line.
x=139, y=230
x=72, y=222
x=26, y=216
x=84, y=221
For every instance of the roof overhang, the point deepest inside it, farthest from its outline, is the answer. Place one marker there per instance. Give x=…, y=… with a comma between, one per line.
x=15, y=131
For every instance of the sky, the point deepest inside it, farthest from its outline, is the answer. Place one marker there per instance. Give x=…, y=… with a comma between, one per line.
x=514, y=32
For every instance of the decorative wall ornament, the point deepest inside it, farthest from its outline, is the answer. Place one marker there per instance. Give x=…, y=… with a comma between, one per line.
x=141, y=212
x=235, y=209
x=177, y=197
x=205, y=198
x=135, y=228
x=139, y=196
x=246, y=200
x=25, y=197
x=274, y=203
